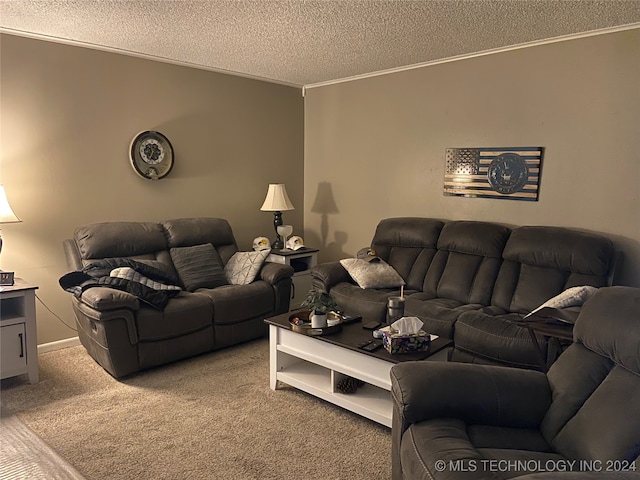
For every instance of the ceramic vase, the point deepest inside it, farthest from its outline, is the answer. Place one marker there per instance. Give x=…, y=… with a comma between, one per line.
x=318, y=320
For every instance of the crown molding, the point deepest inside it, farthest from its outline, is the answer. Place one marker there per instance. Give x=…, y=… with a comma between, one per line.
x=121, y=51
x=546, y=41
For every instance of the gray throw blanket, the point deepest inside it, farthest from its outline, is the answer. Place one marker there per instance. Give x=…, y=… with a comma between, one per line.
x=97, y=274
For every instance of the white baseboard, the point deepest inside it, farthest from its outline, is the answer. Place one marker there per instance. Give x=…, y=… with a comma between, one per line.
x=60, y=344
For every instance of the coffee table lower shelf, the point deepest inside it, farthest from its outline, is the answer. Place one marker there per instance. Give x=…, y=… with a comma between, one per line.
x=316, y=367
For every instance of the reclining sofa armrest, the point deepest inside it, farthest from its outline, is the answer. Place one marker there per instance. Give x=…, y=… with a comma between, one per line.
x=104, y=299
x=72, y=254
x=274, y=272
x=476, y=394
x=324, y=276
x=114, y=334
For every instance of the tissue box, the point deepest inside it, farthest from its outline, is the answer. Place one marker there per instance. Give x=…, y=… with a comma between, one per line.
x=396, y=343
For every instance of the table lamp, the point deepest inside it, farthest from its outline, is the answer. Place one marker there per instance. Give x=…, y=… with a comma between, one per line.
x=6, y=216
x=277, y=201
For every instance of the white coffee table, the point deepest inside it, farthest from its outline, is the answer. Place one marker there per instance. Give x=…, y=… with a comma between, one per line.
x=316, y=364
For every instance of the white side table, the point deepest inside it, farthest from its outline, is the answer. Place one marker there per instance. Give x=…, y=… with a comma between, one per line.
x=18, y=333
x=302, y=260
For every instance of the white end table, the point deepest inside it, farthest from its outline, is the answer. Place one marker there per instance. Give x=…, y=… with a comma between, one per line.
x=18, y=333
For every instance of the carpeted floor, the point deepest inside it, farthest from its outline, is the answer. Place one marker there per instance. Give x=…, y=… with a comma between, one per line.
x=209, y=417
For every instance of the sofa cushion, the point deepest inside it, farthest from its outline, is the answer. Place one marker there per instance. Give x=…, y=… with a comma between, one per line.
x=376, y=274
x=492, y=436
x=497, y=337
x=184, y=314
x=541, y=262
x=467, y=262
x=561, y=249
x=438, y=314
x=408, y=244
x=370, y=303
x=239, y=303
x=198, y=266
x=243, y=267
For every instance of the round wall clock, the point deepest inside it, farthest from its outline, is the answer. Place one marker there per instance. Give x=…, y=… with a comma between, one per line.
x=151, y=155
x=508, y=173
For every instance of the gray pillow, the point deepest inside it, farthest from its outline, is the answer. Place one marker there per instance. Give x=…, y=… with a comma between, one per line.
x=378, y=274
x=198, y=266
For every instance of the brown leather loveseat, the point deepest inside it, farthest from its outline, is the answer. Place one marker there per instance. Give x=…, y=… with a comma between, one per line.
x=126, y=327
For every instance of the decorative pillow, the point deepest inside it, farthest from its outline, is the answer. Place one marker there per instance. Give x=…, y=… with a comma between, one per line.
x=198, y=266
x=377, y=274
x=571, y=297
x=243, y=267
x=129, y=273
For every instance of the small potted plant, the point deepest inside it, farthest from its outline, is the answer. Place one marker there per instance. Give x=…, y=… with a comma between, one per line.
x=319, y=303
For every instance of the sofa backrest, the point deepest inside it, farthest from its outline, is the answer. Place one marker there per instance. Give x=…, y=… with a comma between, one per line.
x=467, y=261
x=137, y=240
x=595, y=413
x=187, y=232
x=148, y=241
x=541, y=262
x=408, y=244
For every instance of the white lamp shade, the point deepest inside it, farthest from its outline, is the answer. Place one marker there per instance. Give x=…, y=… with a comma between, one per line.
x=277, y=199
x=6, y=213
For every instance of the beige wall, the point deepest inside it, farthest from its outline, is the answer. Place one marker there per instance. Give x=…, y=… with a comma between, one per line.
x=378, y=144
x=68, y=115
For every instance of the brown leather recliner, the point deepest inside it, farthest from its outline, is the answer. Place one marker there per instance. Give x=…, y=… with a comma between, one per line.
x=465, y=421
x=125, y=335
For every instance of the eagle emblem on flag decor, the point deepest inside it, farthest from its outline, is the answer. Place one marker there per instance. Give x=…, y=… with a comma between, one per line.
x=497, y=172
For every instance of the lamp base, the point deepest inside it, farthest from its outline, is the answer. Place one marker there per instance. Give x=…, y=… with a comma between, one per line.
x=278, y=244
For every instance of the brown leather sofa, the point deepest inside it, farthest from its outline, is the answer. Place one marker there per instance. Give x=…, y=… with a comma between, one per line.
x=474, y=281
x=123, y=331
x=461, y=421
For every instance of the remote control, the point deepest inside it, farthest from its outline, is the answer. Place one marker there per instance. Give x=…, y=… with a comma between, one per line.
x=346, y=319
x=374, y=345
x=371, y=325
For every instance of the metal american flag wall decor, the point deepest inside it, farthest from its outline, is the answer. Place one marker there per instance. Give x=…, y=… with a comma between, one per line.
x=504, y=173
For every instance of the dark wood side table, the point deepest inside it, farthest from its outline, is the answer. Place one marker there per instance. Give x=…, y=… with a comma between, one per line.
x=554, y=324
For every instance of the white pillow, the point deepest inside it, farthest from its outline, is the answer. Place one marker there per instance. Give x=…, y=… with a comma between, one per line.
x=571, y=297
x=377, y=274
x=243, y=267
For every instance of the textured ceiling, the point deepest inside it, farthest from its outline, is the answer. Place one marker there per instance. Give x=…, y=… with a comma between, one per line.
x=300, y=42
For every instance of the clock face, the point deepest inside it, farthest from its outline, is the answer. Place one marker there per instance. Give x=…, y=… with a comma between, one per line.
x=151, y=151
x=508, y=173
x=151, y=155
